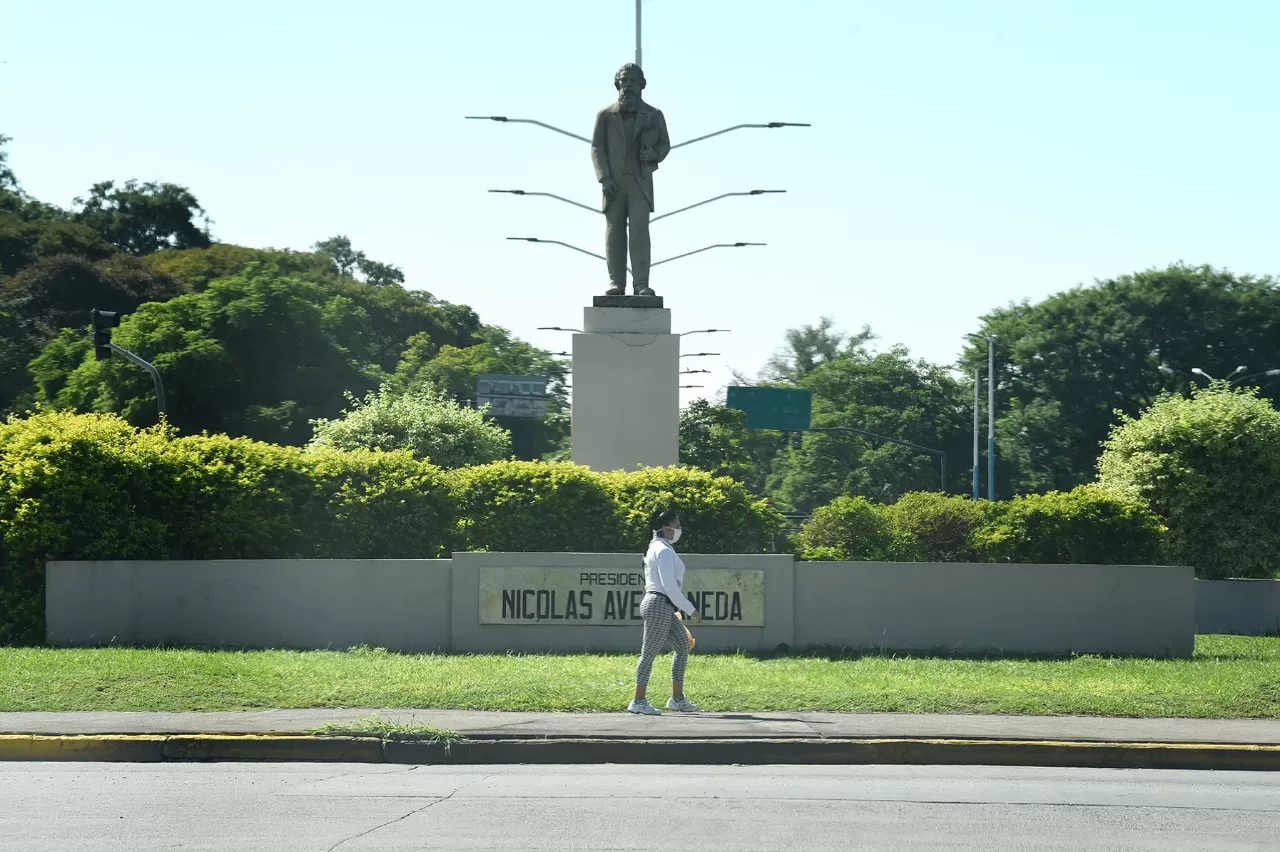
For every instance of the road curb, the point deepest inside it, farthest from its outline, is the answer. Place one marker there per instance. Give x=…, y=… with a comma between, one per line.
x=155, y=748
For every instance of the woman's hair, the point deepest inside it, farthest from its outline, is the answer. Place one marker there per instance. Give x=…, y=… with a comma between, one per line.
x=662, y=518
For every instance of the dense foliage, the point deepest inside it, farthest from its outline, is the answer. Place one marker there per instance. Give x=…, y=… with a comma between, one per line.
x=1084, y=526
x=1209, y=466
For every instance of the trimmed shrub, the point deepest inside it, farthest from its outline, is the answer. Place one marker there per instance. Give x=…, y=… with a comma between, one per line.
x=87, y=487
x=1086, y=526
x=433, y=427
x=235, y=498
x=73, y=487
x=536, y=506
x=379, y=506
x=846, y=529
x=719, y=515
x=932, y=527
x=1209, y=467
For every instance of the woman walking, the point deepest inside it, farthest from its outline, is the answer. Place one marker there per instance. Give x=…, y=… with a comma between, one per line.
x=664, y=597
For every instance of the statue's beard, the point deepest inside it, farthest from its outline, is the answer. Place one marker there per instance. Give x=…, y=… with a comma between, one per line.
x=627, y=100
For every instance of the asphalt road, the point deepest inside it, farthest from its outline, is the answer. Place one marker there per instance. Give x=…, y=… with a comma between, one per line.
x=322, y=807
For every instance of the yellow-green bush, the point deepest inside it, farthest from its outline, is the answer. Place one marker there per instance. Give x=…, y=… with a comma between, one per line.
x=1084, y=526
x=846, y=529
x=85, y=487
x=536, y=506
x=719, y=515
x=73, y=487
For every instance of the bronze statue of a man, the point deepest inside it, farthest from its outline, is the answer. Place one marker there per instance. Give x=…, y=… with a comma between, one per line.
x=629, y=142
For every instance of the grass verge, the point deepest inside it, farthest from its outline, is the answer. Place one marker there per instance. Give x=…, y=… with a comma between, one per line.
x=1229, y=677
x=389, y=729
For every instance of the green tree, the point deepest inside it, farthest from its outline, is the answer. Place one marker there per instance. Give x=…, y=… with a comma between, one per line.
x=454, y=370
x=259, y=354
x=349, y=261
x=714, y=438
x=1208, y=466
x=396, y=315
x=887, y=394
x=433, y=428
x=8, y=180
x=144, y=218
x=809, y=347
x=1066, y=364
x=195, y=269
x=57, y=293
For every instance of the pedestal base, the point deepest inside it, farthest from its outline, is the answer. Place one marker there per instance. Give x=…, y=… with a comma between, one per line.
x=626, y=395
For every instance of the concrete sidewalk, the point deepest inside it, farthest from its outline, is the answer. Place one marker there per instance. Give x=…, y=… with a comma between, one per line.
x=695, y=739
x=487, y=724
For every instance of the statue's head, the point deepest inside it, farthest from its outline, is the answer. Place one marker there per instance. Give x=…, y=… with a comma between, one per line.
x=629, y=81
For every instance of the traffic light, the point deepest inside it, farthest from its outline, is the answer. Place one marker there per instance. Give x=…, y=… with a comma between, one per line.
x=103, y=322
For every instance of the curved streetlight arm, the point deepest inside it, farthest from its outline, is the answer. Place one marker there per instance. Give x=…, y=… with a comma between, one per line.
x=602, y=257
x=704, y=248
x=717, y=198
x=770, y=126
x=1256, y=376
x=549, y=195
x=504, y=120
x=598, y=211
x=149, y=367
x=557, y=243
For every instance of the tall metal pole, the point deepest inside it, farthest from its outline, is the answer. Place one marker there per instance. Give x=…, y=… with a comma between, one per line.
x=991, y=418
x=638, y=62
x=977, y=425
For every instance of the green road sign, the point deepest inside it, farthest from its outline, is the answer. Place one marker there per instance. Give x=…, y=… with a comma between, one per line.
x=781, y=409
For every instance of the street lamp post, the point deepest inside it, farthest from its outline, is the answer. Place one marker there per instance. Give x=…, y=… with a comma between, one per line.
x=941, y=454
x=991, y=412
x=977, y=424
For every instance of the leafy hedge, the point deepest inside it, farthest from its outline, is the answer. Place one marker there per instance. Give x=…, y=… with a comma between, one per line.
x=535, y=506
x=86, y=487
x=1208, y=466
x=1084, y=526
x=717, y=513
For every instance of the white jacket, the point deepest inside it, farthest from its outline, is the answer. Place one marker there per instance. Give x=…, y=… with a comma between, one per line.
x=664, y=573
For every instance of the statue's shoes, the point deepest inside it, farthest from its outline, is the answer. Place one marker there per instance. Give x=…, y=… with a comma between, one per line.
x=646, y=292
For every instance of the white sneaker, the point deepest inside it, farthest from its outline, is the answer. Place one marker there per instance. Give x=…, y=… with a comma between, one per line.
x=643, y=707
x=682, y=705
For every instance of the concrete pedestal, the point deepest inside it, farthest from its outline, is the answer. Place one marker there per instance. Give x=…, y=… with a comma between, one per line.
x=626, y=394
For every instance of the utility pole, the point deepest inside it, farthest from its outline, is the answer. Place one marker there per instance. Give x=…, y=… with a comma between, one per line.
x=991, y=419
x=638, y=62
x=977, y=424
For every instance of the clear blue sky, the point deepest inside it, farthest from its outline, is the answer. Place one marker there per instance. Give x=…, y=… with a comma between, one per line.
x=962, y=155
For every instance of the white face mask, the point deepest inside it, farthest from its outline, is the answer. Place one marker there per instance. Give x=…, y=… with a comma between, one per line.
x=675, y=535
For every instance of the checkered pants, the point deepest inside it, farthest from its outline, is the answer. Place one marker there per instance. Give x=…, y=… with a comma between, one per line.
x=661, y=629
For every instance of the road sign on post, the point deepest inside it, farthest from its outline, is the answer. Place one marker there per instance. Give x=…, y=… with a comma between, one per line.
x=512, y=396
x=780, y=409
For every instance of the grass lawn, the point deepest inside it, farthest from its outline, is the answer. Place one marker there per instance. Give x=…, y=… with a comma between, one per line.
x=1229, y=677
